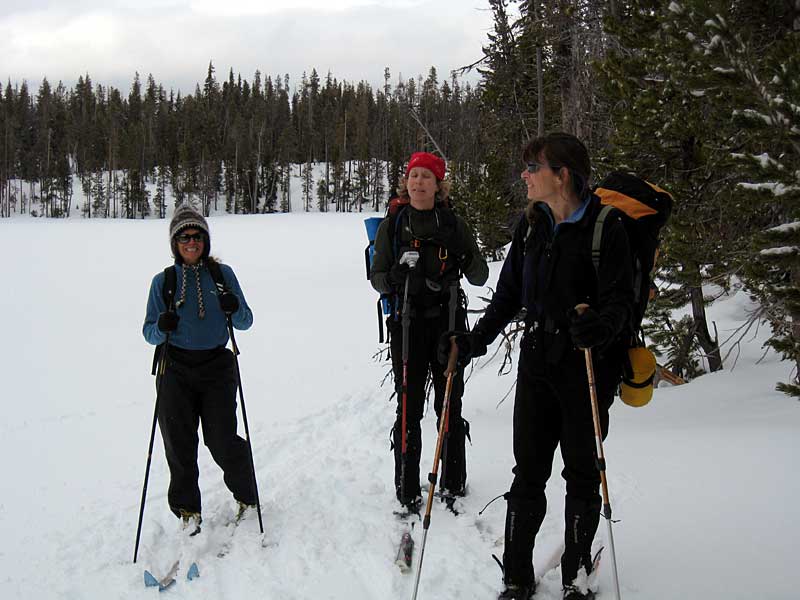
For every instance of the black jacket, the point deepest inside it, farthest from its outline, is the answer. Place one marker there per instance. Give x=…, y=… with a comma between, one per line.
x=552, y=271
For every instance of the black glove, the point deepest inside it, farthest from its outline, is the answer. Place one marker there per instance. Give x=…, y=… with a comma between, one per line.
x=588, y=329
x=470, y=345
x=402, y=266
x=168, y=321
x=397, y=274
x=457, y=247
x=229, y=303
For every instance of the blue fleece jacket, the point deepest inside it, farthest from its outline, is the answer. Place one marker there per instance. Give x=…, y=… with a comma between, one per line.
x=194, y=333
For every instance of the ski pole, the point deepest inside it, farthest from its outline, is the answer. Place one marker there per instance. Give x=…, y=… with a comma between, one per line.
x=426, y=521
x=451, y=325
x=162, y=361
x=406, y=322
x=409, y=258
x=244, y=418
x=601, y=460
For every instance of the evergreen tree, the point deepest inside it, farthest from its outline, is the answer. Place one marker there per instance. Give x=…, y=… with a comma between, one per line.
x=701, y=88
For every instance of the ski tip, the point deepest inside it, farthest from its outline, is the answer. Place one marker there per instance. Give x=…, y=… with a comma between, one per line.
x=149, y=580
x=193, y=572
x=166, y=585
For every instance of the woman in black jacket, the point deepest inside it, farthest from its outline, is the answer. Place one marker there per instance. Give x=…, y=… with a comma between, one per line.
x=548, y=272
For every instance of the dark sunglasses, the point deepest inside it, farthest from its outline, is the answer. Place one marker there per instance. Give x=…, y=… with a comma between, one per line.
x=185, y=238
x=534, y=167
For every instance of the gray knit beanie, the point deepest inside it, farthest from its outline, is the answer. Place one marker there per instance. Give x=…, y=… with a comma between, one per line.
x=187, y=217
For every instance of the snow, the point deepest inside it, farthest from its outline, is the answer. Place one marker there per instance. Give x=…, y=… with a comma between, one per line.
x=783, y=251
x=785, y=227
x=703, y=480
x=765, y=160
x=777, y=189
x=675, y=7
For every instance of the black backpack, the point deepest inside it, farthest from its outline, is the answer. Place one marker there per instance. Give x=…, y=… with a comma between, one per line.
x=645, y=209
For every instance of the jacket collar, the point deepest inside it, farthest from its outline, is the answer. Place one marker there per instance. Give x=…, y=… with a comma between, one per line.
x=582, y=217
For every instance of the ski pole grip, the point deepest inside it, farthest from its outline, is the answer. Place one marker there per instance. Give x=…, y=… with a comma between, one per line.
x=453, y=359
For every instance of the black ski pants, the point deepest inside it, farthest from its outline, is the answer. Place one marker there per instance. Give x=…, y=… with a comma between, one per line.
x=424, y=336
x=199, y=387
x=552, y=408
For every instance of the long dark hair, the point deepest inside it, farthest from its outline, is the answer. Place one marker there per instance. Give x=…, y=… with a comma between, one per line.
x=563, y=150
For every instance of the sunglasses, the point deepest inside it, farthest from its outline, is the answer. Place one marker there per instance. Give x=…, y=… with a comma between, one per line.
x=535, y=167
x=185, y=238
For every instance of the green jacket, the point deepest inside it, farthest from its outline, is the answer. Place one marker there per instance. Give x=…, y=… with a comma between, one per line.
x=446, y=245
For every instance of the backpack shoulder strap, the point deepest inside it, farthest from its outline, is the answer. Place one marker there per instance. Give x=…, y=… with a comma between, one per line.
x=528, y=230
x=597, y=237
x=447, y=217
x=168, y=289
x=394, y=229
x=168, y=294
x=216, y=275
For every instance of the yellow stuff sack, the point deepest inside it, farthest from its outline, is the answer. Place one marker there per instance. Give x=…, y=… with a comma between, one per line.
x=639, y=372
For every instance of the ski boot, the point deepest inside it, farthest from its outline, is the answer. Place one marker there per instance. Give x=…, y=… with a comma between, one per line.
x=243, y=511
x=573, y=593
x=190, y=522
x=517, y=592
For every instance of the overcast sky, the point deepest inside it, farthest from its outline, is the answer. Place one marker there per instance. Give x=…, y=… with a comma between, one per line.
x=174, y=40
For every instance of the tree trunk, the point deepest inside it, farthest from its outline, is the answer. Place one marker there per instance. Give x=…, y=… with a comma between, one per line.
x=709, y=345
x=795, y=317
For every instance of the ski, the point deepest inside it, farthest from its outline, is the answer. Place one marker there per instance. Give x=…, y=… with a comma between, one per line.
x=405, y=549
x=593, y=576
x=171, y=577
x=149, y=579
x=165, y=582
x=228, y=543
x=588, y=584
x=405, y=552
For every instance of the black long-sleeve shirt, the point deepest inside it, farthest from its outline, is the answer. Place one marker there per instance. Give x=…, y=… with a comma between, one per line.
x=551, y=272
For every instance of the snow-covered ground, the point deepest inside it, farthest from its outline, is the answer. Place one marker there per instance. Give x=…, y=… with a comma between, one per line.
x=703, y=480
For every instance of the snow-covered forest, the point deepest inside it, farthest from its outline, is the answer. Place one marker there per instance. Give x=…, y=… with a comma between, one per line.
x=699, y=97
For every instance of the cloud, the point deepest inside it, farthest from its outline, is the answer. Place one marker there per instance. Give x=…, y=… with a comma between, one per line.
x=354, y=39
x=259, y=7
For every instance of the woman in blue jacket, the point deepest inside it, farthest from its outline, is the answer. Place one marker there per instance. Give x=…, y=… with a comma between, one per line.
x=199, y=383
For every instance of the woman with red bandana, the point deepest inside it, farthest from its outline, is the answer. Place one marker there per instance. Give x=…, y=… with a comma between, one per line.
x=423, y=249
